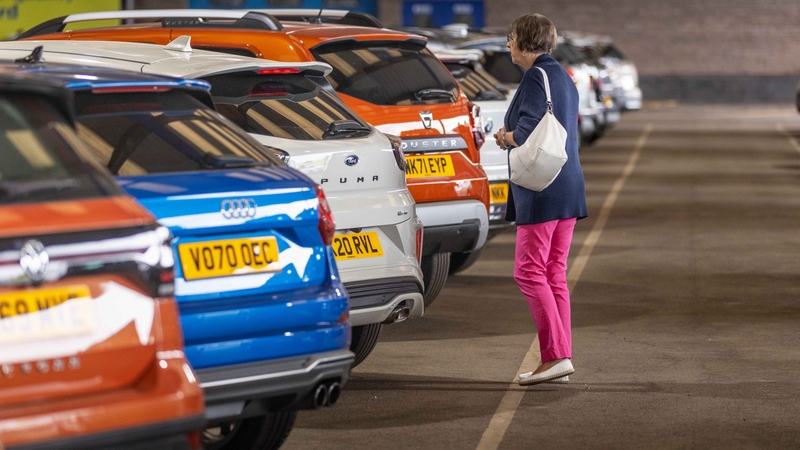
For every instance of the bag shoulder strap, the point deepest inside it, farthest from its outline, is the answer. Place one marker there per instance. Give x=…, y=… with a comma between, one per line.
x=547, y=89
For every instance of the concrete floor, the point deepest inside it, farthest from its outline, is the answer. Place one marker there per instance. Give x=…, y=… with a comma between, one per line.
x=686, y=316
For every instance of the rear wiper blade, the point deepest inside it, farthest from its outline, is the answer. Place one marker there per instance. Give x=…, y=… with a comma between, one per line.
x=11, y=189
x=229, y=161
x=433, y=94
x=339, y=127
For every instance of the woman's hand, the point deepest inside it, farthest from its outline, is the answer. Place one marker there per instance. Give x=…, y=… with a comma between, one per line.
x=498, y=138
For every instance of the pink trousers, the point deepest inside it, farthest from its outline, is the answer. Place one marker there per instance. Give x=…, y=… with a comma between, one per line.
x=540, y=270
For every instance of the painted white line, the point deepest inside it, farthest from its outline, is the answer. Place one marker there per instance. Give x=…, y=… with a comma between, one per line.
x=792, y=139
x=493, y=435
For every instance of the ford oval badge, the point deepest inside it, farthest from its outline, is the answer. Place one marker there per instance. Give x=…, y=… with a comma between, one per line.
x=351, y=160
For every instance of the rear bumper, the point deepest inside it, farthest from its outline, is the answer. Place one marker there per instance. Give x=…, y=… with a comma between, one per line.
x=456, y=226
x=633, y=98
x=169, y=435
x=246, y=390
x=372, y=301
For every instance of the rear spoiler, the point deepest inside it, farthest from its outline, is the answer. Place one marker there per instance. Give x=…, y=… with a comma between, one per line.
x=459, y=55
x=194, y=18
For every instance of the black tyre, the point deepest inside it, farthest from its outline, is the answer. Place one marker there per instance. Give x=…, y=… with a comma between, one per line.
x=461, y=261
x=434, y=273
x=256, y=433
x=365, y=337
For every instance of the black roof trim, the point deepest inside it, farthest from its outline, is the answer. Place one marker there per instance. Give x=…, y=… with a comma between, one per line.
x=51, y=26
x=253, y=20
x=337, y=45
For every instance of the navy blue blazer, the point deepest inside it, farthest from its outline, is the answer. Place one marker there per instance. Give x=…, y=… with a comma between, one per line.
x=565, y=198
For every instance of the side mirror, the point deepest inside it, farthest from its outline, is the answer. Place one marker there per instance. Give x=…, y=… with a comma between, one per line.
x=488, y=125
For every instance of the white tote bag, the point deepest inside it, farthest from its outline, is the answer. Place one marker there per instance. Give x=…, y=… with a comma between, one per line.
x=537, y=162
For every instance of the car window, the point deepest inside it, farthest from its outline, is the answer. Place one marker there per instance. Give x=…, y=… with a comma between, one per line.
x=38, y=160
x=290, y=107
x=567, y=54
x=610, y=51
x=500, y=66
x=390, y=76
x=143, y=133
x=476, y=87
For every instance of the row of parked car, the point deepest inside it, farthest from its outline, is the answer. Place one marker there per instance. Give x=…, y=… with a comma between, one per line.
x=207, y=216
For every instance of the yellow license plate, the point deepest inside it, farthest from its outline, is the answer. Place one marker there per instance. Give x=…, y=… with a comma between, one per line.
x=357, y=245
x=424, y=166
x=499, y=193
x=45, y=313
x=210, y=259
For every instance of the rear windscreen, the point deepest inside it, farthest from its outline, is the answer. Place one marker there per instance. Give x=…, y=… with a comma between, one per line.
x=567, y=54
x=286, y=106
x=142, y=133
x=390, y=76
x=500, y=66
x=477, y=87
x=610, y=51
x=39, y=155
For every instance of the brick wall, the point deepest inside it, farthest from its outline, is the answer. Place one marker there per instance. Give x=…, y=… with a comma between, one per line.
x=672, y=37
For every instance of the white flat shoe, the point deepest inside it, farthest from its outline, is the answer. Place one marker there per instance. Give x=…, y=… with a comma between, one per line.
x=559, y=380
x=562, y=369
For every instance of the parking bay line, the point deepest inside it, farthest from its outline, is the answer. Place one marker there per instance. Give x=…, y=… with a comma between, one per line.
x=493, y=435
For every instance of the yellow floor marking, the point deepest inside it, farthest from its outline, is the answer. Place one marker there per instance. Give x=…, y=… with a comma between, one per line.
x=493, y=435
x=792, y=139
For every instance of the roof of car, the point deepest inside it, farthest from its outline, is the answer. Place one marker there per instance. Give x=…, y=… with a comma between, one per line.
x=175, y=59
x=79, y=77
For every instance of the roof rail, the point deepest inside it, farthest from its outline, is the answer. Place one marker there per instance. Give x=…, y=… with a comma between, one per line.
x=338, y=16
x=260, y=20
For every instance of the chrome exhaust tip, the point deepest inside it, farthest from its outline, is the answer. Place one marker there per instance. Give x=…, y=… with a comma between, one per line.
x=321, y=396
x=334, y=392
x=400, y=313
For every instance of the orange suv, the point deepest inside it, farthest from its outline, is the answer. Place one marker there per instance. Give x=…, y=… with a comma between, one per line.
x=91, y=350
x=388, y=77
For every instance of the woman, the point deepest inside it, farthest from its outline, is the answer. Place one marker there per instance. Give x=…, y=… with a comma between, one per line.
x=545, y=220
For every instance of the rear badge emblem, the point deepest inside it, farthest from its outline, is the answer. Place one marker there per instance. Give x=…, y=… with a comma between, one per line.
x=427, y=119
x=351, y=160
x=33, y=259
x=239, y=208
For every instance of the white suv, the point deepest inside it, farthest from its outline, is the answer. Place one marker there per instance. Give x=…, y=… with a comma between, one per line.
x=291, y=109
x=494, y=99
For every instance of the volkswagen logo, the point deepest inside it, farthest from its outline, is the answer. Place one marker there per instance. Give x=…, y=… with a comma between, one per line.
x=351, y=160
x=238, y=208
x=34, y=260
x=427, y=119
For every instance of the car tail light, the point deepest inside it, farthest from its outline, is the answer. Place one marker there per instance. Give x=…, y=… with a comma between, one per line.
x=280, y=71
x=194, y=441
x=326, y=225
x=419, y=245
x=397, y=148
x=476, y=125
x=571, y=73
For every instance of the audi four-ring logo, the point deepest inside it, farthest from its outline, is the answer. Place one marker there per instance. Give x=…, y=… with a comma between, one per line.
x=238, y=208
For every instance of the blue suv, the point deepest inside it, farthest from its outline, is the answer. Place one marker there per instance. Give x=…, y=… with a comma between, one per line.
x=264, y=314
